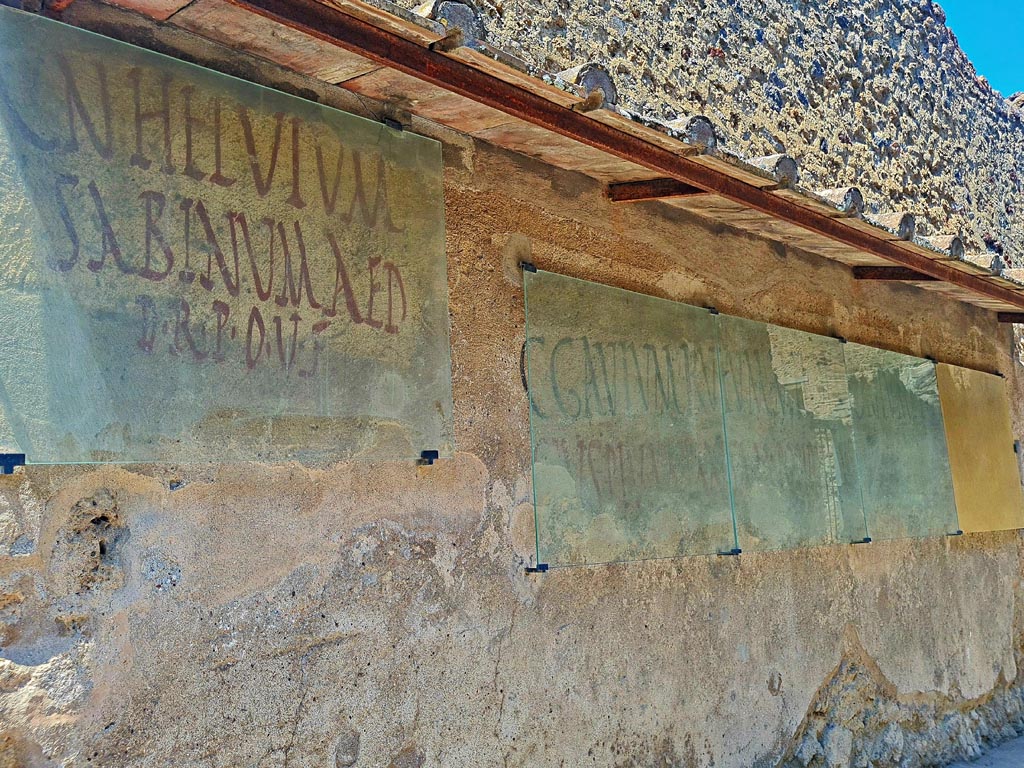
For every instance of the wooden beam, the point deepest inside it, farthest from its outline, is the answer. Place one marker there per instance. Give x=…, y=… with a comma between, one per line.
x=890, y=273
x=391, y=50
x=652, y=189
x=1010, y=317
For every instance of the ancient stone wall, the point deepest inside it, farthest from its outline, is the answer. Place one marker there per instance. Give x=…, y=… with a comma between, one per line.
x=379, y=614
x=874, y=94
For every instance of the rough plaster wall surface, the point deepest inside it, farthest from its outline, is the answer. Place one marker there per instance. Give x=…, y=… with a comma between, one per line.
x=874, y=94
x=379, y=615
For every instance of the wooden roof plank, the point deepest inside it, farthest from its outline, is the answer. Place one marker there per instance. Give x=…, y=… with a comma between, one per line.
x=560, y=151
x=643, y=132
x=516, y=77
x=389, y=49
x=419, y=30
x=240, y=29
x=426, y=100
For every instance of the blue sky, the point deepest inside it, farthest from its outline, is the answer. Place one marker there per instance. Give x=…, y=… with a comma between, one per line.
x=991, y=32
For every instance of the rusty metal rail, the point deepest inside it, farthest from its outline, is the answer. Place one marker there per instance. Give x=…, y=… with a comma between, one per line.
x=392, y=50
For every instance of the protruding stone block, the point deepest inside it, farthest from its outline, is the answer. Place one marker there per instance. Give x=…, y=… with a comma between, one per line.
x=849, y=200
x=782, y=168
x=984, y=259
x=951, y=244
x=698, y=131
x=1014, y=275
x=346, y=750
x=593, y=77
x=902, y=224
x=454, y=15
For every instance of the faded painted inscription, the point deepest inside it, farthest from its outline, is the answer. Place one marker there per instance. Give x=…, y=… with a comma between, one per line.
x=659, y=429
x=901, y=444
x=790, y=435
x=208, y=268
x=629, y=456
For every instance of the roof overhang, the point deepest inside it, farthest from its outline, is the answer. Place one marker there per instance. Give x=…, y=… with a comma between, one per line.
x=387, y=54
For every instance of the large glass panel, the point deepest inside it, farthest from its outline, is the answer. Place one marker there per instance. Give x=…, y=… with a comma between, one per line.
x=195, y=267
x=790, y=437
x=901, y=444
x=626, y=425
x=986, y=481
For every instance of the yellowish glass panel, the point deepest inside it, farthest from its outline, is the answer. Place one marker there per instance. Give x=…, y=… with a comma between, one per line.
x=986, y=480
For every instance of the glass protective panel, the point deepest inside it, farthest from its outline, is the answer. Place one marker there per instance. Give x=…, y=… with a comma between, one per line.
x=986, y=481
x=626, y=425
x=198, y=268
x=789, y=432
x=901, y=444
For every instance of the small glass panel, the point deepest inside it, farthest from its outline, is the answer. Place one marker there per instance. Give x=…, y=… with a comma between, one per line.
x=901, y=444
x=790, y=437
x=198, y=268
x=626, y=425
x=986, y=481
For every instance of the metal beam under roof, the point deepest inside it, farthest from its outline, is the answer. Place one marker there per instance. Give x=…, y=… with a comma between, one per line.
x=448, y=70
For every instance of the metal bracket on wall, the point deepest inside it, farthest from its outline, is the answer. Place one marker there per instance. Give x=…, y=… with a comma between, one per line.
x=527, y=266
x=731, y=552
x=865, y=540
x=390, y=122
x=712, y=310
x=522, y=368
x=8, y=461
x=427, y=458
x=956, y=533
x=540, y=568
